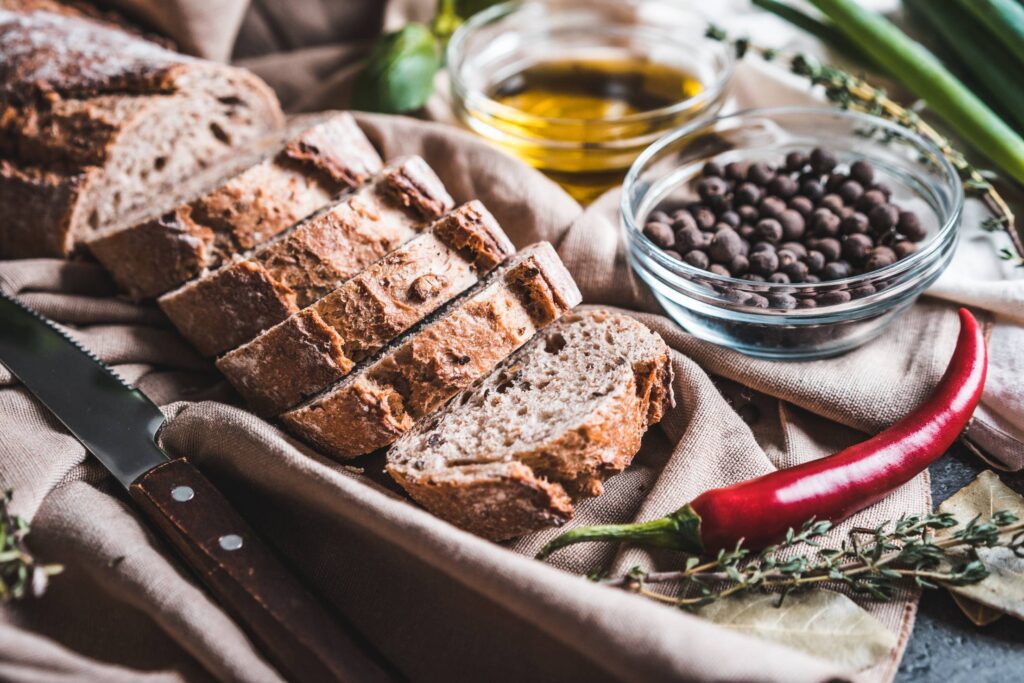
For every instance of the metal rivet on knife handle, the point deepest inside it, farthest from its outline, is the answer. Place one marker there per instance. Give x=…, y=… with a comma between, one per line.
x=182, y=494
x=230, y=542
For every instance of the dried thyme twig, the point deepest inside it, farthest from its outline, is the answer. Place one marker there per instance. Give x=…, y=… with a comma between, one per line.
x=21, y=574
x=887, y=560
x=854, y=93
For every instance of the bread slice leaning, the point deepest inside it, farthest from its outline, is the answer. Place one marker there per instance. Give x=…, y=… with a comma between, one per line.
x=233, y=304
x=415, y=375
x=318, y=345
x=510, y=454
x=239, y=205
x=96, y=123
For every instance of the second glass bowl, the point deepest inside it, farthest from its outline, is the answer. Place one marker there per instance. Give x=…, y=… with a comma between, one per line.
x=712, y=306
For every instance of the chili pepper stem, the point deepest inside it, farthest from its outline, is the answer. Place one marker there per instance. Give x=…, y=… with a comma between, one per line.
x=679, y=530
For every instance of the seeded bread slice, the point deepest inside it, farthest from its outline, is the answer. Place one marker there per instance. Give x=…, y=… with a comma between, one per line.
x=315, y=347
x=239, y=206
x=95, y=123
x=510, y=454
x=233, y=304
x=414, y=376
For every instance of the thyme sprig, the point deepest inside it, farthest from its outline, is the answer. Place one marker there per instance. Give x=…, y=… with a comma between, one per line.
x=874, y=562
x=21, y=574
x=851, y=92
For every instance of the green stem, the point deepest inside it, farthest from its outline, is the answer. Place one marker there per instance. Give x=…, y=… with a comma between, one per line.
x=1004, y=18
x=679, y=530
x=983, y=58
x=825, y=32
x=921, y=72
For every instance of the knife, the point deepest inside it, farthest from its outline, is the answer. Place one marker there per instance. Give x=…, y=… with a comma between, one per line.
x=119, y=425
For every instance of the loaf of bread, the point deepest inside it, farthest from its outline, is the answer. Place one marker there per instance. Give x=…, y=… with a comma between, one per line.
x=288, y=176
x=512, y=453
x=317, y=346
x=96, y=122
x=383, y=398
x=233, y=304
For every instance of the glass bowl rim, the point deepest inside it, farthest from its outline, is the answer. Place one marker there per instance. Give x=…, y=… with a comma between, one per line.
x=683, y=269
x=460, y=36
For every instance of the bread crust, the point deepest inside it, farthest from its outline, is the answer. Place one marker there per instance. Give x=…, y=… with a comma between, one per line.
x=74, y=93
x=298, y=173
x=418, y=373
x=317, y=346
x=577, y=461
x=217, y=313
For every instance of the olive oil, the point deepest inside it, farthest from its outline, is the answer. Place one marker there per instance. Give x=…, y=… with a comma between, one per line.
x=583, y=121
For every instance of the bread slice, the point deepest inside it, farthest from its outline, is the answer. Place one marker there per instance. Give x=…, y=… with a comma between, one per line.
x=238, y=206
x=96, y=122
x=317, y=346
x=510, y=454
x=233, y=304
x=414, y=376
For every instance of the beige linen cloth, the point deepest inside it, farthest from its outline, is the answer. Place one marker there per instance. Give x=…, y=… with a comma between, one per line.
x=439, y=603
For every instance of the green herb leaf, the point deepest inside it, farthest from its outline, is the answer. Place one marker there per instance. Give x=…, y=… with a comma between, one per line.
x=821, y=623
x=1003, y=589
x=399, y=73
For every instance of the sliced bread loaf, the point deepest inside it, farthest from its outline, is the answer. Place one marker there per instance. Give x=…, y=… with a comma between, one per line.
x=237, y=207
x=318, y=345
x=510, y=454
x=233, y=304
x=414, y=376
x=95, y=123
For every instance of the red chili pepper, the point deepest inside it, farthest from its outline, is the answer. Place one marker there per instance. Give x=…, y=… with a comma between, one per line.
x=760, y=511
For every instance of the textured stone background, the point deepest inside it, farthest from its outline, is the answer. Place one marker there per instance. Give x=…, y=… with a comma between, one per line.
x=945, y=646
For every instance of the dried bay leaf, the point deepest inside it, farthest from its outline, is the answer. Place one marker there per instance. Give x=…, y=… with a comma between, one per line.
x=821, y=623
x=1003, y=590
x=979, y=614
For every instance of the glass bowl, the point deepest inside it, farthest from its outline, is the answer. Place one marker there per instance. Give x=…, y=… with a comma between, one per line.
x=847, y=312
x=585, y=155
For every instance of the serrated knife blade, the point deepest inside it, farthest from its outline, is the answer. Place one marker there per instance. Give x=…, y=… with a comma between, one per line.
x=114, y=421
x=119, y=425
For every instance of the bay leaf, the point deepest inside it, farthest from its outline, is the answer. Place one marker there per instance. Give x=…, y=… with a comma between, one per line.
x=979, y=614
x=821, y=623
x=1003, y=590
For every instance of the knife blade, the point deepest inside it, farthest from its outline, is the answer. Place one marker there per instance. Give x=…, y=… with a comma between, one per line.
x=119, y=425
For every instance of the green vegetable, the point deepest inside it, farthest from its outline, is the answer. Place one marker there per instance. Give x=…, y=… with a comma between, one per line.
x=1004, y=18
x=399, y=73
x=979, y=54
x=921, y=72
x=825, y=32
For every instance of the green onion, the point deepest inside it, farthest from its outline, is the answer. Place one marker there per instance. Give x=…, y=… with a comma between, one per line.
x=971, y=44
x=921, y=72
x=1004, y=18
x=825, y=32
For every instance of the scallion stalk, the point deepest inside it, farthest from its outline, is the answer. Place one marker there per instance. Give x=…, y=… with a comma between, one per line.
x=1004, y=18
x=924, y=75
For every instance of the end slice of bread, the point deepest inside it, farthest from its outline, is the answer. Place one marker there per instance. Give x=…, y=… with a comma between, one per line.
x=237, y=206
x=510, y=454
x=318, y=345
x=233, y=304
x=420, y=371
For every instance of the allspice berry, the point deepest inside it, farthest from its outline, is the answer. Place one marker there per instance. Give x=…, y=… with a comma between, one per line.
x=904, y=249
x=771, y=207
x=660, y=234
x=764, y=262
x=683, y=220
x=801, y=205
x=883, y=218
x=850, y=191
x=823, y=160
x=855, y=223
x=725, y=246
x=824, y=223
x=909, y=225
x=760, y=173
x=712, y=190
x=793, y=224
x=863, y=172
x=783, y=186
x=768, y=230
x=879, y=258
x=697, y=259
x=796, y=161
x=869, y=200
x=857, y=247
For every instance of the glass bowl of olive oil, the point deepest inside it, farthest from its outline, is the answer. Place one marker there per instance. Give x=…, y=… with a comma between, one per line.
x=578, y=88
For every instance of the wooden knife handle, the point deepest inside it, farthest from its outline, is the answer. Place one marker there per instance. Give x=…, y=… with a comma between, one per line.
x=284, y=620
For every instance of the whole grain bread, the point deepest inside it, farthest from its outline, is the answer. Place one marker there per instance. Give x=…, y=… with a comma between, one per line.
x=233, y=304
x=318, y=345
x=238, y=206
x=512, y=453
x=95, y=122
x=417, y=373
